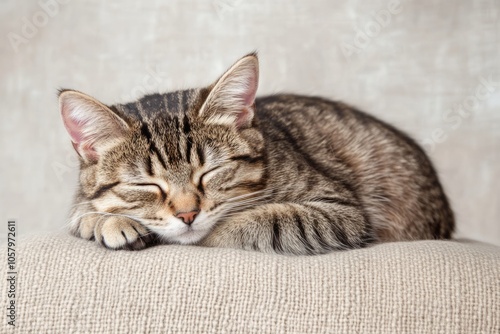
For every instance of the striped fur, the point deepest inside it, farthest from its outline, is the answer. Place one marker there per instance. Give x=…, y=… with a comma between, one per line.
x=285, y=173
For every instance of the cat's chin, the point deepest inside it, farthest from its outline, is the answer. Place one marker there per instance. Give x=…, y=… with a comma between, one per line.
x=188, y=237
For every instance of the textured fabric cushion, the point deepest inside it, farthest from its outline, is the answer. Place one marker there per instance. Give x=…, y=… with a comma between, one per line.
x=68, y=285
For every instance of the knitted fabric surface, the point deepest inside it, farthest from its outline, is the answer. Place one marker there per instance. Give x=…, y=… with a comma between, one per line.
x=68, y=285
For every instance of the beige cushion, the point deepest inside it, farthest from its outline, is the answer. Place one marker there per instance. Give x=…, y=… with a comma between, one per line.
x=68, y=285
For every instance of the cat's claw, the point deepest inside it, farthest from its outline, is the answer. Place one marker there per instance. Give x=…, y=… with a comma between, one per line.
x=117, y=232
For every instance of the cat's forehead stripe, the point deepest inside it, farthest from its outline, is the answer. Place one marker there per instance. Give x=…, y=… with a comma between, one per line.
x=160, y=105
x=154, y=101
x=160, y=114
x=141, y=113
x=185, y=100
x=176, y=103
x=186, y=127
x=172, y=102
x=180, y=103
x=146, y=132
x=165, y=102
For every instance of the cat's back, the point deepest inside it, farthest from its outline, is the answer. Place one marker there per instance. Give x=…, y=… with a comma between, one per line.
x=318, y=123
x=391, y=175
x=316, y=113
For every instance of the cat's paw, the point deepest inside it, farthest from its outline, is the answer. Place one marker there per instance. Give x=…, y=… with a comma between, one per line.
x=116, y=232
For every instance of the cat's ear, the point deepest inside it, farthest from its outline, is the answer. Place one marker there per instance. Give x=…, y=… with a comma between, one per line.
x=92, y=126
x=231, y=100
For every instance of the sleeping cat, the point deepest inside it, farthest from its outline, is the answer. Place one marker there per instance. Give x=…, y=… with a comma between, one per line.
x=218, y=167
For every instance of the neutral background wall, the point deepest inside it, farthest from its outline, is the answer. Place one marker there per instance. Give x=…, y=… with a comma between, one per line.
x=431, y=68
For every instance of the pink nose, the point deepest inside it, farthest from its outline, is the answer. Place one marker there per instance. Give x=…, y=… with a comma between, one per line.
x=187, y=217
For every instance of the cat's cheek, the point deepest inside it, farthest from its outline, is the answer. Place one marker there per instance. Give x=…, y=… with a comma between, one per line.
x=88, y=179
x=203, y=222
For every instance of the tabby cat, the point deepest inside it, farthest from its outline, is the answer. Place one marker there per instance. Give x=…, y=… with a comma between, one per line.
x=218, y=167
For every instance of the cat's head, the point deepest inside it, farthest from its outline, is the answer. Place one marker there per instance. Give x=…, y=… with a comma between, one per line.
x=176, y=162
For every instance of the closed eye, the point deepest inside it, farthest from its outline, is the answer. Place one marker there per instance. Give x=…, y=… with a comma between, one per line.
x=208, y=171
x=200, y=180
x=157, y=186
